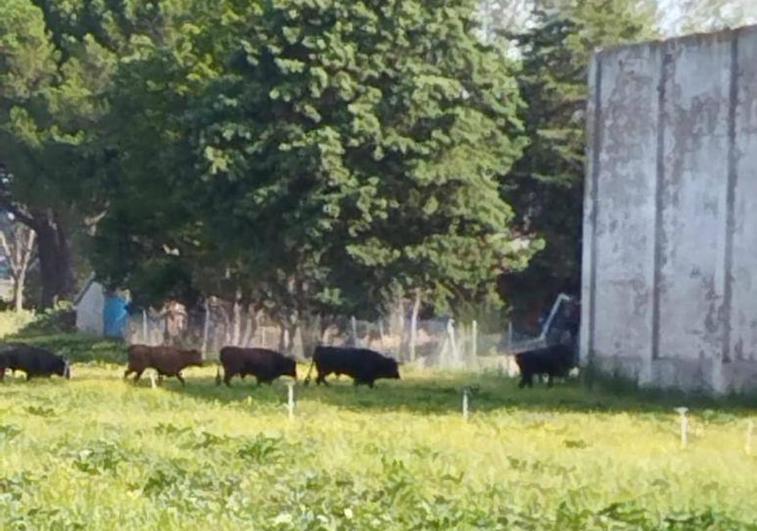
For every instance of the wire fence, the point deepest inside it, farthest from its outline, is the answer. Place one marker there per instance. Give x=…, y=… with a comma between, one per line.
x=440, y=343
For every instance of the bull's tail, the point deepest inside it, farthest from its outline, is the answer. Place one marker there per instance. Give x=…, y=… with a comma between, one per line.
x=310, y=370
x=218, y=376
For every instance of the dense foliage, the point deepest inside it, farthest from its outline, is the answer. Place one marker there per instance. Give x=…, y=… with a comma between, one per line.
x=329, y=153
x=546, y=184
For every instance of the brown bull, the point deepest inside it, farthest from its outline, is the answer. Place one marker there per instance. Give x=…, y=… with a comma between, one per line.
x=166, y=360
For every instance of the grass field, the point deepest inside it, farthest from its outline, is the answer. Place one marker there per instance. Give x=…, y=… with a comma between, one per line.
x=98, y=453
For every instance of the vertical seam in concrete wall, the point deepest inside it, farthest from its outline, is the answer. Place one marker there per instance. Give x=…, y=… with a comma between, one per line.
x=660, y=185
x=730, y=226
x=597, y=145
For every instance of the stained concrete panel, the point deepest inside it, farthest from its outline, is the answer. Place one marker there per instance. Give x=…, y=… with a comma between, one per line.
x=589, y=247
x=694, y=191
x=625, y=218
x=743, y=338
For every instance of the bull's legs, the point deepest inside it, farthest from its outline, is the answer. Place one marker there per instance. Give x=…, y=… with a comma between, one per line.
x=181, y=379
x=321, y=378
x=137, y=375
x=227, y=376
x=549, y=380
x=127, y=372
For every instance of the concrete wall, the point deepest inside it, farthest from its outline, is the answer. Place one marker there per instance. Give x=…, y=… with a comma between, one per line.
x=670, y=226
x=89, y=309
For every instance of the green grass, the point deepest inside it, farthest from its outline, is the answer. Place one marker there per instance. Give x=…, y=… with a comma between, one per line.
x=96, y=452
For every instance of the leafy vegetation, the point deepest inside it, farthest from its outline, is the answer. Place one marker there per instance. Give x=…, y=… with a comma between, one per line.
x=545, y=186
x=96, y=452
x=335, y=150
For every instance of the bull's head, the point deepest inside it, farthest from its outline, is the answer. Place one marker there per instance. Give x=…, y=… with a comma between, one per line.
x=393, y=371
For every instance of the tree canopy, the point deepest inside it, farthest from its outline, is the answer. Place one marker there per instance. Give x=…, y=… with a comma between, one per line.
x=328, y=152
x=546, y=185
x=308, y=156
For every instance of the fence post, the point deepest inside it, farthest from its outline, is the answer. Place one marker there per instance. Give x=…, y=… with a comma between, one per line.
x=414, y=323
x=474, y=340
x=236, y=318
x=443, y=352
x=749, y=433
x=684, y=426
x=290, y=399
x=206, y=330
x=465, y=403
x=353, y=323
x=452, y=342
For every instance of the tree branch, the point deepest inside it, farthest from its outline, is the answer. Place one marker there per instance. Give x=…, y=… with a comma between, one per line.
x=6, y=250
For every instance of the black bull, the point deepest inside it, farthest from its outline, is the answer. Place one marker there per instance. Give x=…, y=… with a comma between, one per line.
x=264, y=364
x=364, y=366
x=34, y=361
x=555, y=361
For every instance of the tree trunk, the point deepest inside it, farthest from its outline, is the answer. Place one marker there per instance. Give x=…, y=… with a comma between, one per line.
x=18, y=291
x=55, y=261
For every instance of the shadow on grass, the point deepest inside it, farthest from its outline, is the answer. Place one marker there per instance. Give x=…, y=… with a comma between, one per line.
x=441, y=393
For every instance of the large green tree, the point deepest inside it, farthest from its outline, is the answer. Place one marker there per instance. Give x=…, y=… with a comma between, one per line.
x=44, y=111
x=360, y=141
x=57, y=60
x=546, y=185
x=345, y=149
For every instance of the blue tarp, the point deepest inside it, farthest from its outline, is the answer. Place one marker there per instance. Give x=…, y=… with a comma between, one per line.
x=115, y=316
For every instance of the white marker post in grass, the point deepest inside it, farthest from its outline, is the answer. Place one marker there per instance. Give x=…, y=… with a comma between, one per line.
x=749, y=433
x=684, y=425
x=466, y=393
x=290, y=399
